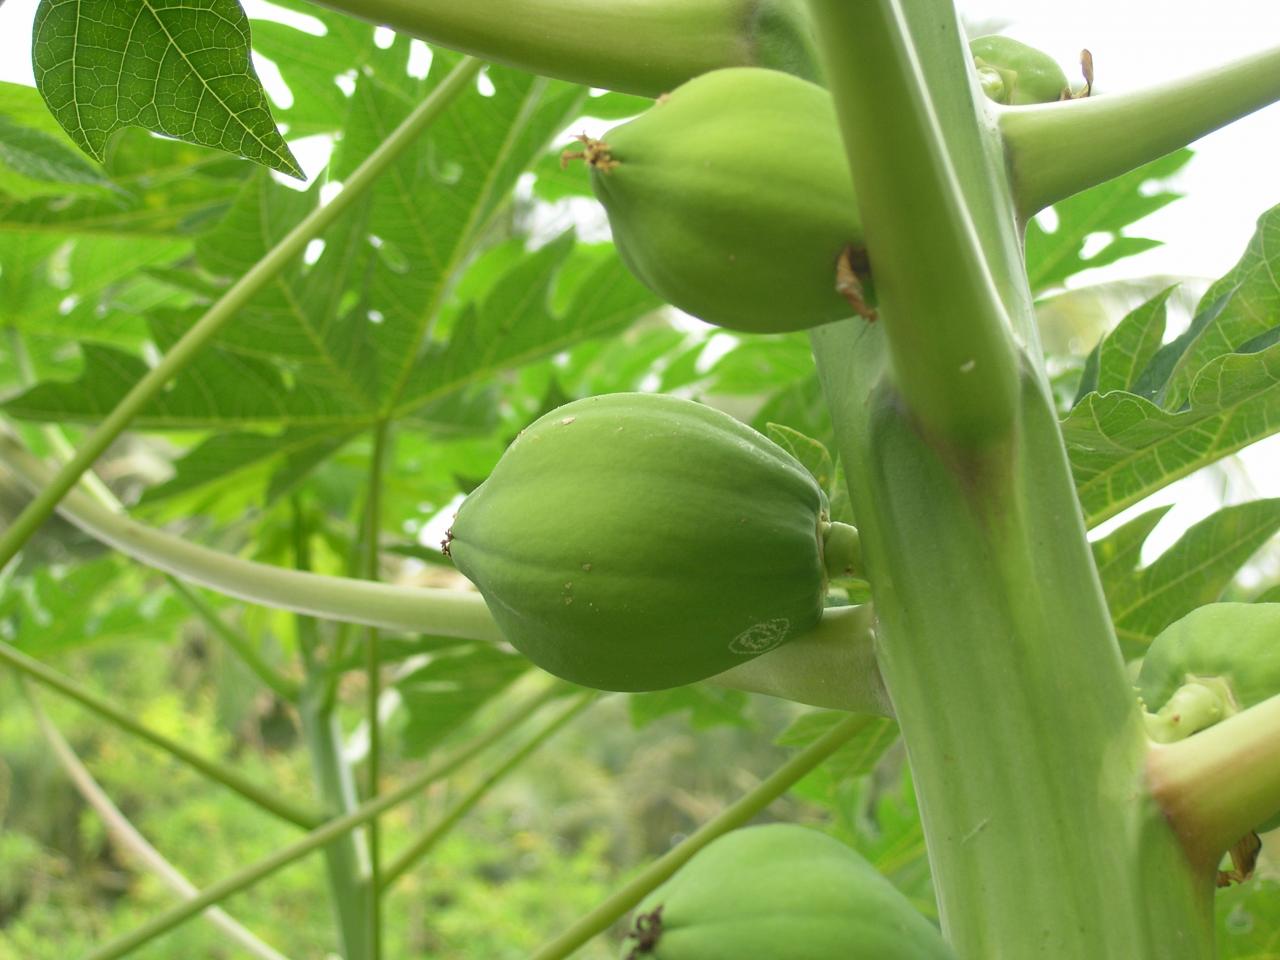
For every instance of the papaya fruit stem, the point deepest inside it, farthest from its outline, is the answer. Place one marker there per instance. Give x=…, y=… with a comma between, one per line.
x=641, y=46
x=1058, y=149
x=1218, y=785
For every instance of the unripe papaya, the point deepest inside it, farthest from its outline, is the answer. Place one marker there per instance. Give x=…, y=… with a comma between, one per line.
x=731, y=199
x=1238, y=643
x=780, y=892
x=1013, y=73
x=641, y=542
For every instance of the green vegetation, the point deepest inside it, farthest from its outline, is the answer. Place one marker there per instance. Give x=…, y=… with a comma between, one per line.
x=252, y=711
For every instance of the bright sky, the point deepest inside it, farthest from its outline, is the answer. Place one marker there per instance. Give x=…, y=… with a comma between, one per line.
x=1234, y=176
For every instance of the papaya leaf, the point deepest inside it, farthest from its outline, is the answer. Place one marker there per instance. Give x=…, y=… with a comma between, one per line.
x=1118, y=554
x=1105, y=210
x=1127, y=351
x=159, y=187
x=450, y=687
x=708, y=706
x=1123, y=446
x=815, y=457
x=34, y=163
x=171, y=66
x=61, y=607
x=1194, y=571
x=1252, y=308
x=232, y=458
x=857, y=757
x=310, y=62
x=1270, y=595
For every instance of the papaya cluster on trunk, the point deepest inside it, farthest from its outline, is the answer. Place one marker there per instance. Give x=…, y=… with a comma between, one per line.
x=731, y=197
x=780, y=892
x=641, y=542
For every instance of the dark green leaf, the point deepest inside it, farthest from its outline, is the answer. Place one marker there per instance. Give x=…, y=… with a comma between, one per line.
x=177, y=67
x=1194, y=571
x=1105, y=210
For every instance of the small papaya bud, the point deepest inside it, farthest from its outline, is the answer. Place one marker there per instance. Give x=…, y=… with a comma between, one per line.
x=1013, y=73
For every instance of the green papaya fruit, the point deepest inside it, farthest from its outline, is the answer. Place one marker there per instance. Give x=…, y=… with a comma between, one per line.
x=780, y=892
x=1238, y=643
x=640, y=542
x=1013, y=73
x=731, y=199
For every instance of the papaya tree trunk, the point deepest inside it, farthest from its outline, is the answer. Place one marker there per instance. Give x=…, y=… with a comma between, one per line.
x=993, y=636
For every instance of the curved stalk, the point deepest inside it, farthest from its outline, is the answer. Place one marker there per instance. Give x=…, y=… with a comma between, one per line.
x=332, y=830
x=229, y=305
x=833, y=666
x=131, y=840
x=451, y=613
x=1058, y=149
x=636, y=46
x=229, y=777
x=1219, y=784
x=422, y=846
x=737, y=814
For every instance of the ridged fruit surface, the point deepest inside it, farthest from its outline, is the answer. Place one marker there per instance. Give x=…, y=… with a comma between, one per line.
x=780, y=892
x=731, y=199
x=641, y=542
x=1238, y=642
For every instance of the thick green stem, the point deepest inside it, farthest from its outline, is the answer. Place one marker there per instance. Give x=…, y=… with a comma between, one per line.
x=950, y=342
x=833, y=666
x=229, y=777
x=994, y=639
x=738, y=814
x=423, y=845
x=229, y=305
x=1221, y=783
x=638, y=46
x=1058, y=149
x=132, y=841
x=245, y=878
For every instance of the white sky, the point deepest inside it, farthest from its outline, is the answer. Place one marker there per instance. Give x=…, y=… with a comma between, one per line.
x=1234, y=176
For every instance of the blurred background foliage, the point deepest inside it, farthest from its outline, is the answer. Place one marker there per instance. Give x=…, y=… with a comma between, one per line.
x=269, y=435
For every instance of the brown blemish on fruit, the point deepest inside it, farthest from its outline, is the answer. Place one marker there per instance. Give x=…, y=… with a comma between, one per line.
x=646, y=933
x=444, y=544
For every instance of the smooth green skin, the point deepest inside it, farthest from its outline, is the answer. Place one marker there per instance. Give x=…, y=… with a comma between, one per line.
x=731, y=200
x=783, y=892
x=1027, y=75
x=1239, y=642
x=641, y=542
